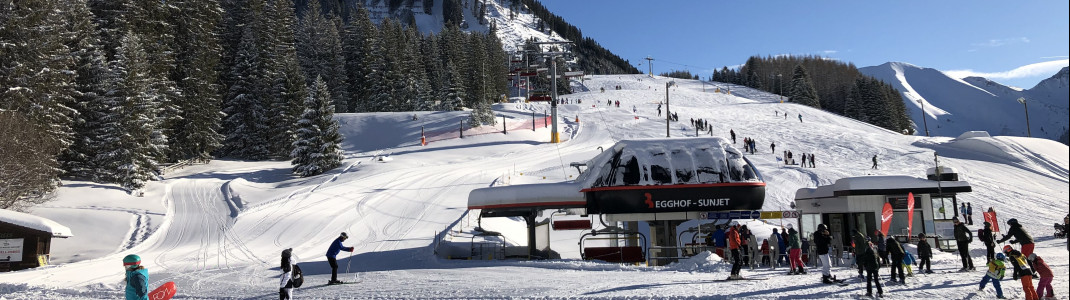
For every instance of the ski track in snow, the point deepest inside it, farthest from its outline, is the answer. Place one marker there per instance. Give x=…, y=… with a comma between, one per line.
x=393, y=210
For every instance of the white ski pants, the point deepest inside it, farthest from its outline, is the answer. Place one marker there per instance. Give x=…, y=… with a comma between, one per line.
x=826, y=265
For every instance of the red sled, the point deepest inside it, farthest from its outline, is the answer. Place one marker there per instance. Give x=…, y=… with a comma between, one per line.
x=164, y=292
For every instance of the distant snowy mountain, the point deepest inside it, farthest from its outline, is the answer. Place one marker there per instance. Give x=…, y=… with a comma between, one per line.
x=953, y=106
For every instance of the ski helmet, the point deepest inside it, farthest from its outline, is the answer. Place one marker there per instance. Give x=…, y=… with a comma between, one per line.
x=1000, y=256
x=131, y=260
x=1012, y=221
x=344, y=236
x=1007, y=249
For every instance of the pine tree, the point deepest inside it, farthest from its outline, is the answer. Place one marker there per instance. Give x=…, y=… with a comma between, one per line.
x=320, y=54
x=802, y=89
x=357, y=42
x=136, y=142
x=317, y=147
x=288, y=90
x=90, y=85
x=245, y=126
x=197, y=57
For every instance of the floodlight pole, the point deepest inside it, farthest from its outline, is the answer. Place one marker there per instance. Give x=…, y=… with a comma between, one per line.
x=1028, y=130
x=668, y=115
x=553, y=101
x=650, y=65
x=924, y=118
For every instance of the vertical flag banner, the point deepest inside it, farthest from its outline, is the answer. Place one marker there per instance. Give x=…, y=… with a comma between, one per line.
x=886, y=218
x=990, y=217
x=910, y=215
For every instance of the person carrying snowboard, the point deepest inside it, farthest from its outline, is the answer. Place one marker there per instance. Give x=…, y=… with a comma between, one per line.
x=286, y=280
x=964, y=237
x=795, y=254
x=332, y=254
x=1021, y=272
x=996, y=271
x=137, y=278
x=1046, y=276
x=873, y=267
x=925, y=254
x=896, y=264
x=1020, y=237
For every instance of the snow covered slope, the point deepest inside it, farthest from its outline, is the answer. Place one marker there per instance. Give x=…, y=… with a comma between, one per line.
x=953, y=105
x=217, y=229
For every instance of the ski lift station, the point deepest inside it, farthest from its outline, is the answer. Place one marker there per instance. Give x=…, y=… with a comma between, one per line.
x=25, y=240
x=857, y=203
x=663, y=182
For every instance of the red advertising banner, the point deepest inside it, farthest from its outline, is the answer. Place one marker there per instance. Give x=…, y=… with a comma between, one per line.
x=910, y=214
x=886, y=218
x=990, y=217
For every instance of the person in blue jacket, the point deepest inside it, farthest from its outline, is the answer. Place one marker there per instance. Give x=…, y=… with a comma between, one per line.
x=137, y=278
x=332, y=254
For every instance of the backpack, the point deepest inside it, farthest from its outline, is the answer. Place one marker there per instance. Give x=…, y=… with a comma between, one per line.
x=981, y=235
x=298, y=277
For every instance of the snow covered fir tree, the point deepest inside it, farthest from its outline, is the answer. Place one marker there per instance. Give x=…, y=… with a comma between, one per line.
x=316, y=149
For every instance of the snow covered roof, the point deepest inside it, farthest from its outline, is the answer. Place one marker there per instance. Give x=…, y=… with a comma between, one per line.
x=35, y=222
x=547, y=195
x=882, y=185
x=669, y=161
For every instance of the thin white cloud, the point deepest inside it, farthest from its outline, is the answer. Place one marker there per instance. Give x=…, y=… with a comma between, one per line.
x=1033, y=70
x=830, y=51
x=1057, y=56
x=1001, y=42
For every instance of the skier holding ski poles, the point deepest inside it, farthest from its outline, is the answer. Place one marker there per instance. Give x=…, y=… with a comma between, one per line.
x=332, y=254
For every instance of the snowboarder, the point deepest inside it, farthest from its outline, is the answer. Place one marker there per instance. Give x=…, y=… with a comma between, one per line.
x=996, y=271
x=800, y=118
x=733, y=133
x=286, y=280
x=795, y=254
x=989, y=240
x=969, y=214
x=1021, y=271
x=874, y=161
x=963, y=237
x=896, y=264
x=869, y=260
x=733, y=246
x=137, y=278
x=823, y=239
x=925, y=253
x=1046, y=275
x=1020, y=237
x=332, y=254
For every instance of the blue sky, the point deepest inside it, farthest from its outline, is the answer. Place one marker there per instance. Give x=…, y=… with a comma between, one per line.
x=1017, y=43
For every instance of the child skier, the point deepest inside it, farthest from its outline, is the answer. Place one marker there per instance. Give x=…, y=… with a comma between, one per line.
x=1046, y=276
x=996, y=271
x=137, y=278
x=925, y=253
x=1021, y=271
x=908, y=260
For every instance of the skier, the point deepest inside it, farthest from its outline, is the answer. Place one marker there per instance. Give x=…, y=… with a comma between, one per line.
x=925, y=253
x=332, y=253
x=659, y=109
x=286, y=284
x=719, y=242
x=1020, y=237
x=996, y=271
x=869, y=260
x=874, y=161
x=823, y=238
x=804, y=160
x=733, y=133
x=969, y=214
x=859, y=244
x=733, y=246
x=1021, y=271
x=812, y=164
x=962, y=212
x=774, y=251
x=908, y=261
x=137, y=278
x=896, y=264
x=772, y=146
x=964, y=237
x=766, y=253
x=800, y=118
x=744, y=247
x=1046, y=275
x=836, y=255
x=989, y=240
x=795, y=256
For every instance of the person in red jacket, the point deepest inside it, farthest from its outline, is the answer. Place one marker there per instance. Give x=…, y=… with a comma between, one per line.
x=1046, y=275
x=733, y=247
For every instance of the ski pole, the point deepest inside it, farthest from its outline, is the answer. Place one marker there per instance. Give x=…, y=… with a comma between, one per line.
x=350, y=261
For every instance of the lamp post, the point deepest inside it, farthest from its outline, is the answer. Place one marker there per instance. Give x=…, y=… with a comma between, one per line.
x=668, y=115
x=1027, y=129
x=924, y=118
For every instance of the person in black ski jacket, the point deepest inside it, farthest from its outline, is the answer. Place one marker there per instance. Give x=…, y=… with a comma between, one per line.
x=872, y=264
x=989, y=240
x=822, y=238
x=860, y=244
x=1020, y=237
x=964, y=237
x=897, y=253
x=925, y=254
